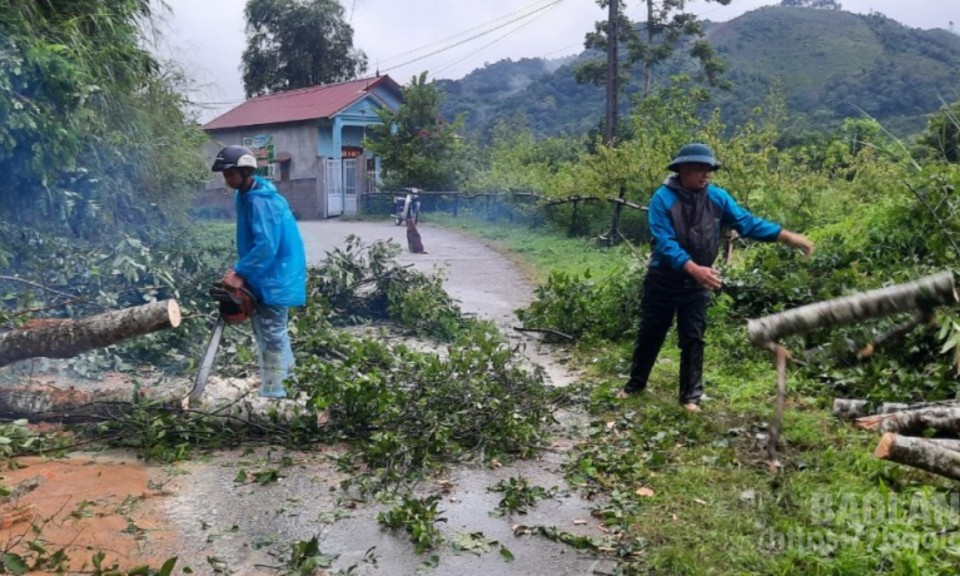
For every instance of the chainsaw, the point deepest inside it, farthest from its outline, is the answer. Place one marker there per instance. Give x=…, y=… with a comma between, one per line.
x=235, y=303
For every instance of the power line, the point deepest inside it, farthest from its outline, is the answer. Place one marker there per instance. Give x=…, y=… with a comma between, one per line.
x=462, y=32
x=475, y=36
x=489, y=44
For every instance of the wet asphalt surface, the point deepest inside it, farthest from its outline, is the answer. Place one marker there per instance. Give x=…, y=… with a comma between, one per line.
x=230, y=527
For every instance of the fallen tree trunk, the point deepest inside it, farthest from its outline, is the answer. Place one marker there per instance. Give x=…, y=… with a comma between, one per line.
x=67, y=338
x=71, y=405
x=924, y=294
x=227, y=403
x=940, y=418
x=919, y=453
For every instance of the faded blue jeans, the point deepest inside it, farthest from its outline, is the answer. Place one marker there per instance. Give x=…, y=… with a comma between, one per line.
x=273, y=346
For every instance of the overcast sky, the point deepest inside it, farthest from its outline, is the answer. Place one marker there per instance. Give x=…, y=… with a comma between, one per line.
x=447, y=38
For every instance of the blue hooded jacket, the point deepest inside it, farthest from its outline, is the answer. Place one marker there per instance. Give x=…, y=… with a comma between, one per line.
x=271, y=255
x=686, y=225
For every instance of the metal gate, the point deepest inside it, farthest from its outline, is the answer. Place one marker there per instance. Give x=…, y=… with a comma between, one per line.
x=350, y=186
x=333, y=180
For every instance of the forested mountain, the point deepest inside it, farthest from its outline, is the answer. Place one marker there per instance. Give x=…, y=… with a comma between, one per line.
x=829, y=64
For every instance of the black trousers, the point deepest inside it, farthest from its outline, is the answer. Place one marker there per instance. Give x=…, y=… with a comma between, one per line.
x=667, y=294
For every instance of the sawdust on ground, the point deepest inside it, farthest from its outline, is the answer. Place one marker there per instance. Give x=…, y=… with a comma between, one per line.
x=83, y=505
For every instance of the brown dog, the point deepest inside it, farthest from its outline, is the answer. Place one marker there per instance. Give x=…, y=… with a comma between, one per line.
x=413, y=238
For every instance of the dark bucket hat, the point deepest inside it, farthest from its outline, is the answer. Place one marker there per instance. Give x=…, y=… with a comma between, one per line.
x=695, y=153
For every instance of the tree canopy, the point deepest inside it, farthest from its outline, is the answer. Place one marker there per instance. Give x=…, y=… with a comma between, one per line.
x=653, y=42
x=297, y=43
x=419, y=149
x=93, y=136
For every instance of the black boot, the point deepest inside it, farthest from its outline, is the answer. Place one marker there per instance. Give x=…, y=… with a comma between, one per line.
x=691, y=373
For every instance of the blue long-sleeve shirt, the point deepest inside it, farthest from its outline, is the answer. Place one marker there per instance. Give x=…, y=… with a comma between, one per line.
x=686, y=225
x=272, y=259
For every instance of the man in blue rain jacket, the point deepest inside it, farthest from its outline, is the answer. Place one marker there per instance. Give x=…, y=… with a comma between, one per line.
x=271, y=261
x=685, y=216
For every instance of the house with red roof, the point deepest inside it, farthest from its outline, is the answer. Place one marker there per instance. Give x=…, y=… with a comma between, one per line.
x=309, y=142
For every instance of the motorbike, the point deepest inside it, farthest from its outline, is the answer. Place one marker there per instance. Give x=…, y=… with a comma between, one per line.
x=407, y=206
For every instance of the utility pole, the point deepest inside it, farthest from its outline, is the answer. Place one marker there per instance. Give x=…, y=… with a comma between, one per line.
x=613, y=90
x=613, y=71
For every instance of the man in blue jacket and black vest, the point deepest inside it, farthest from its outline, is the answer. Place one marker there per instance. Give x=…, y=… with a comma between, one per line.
x=686, y=215
x=272, y=262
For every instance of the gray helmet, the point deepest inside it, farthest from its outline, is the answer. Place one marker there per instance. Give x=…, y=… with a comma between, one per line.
x=695, y=153
x=234, y=157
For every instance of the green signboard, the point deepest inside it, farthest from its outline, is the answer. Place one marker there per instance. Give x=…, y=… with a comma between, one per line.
x=262, y=148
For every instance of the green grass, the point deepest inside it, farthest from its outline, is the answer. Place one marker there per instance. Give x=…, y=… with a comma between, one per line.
x=538, y=251
x=715, y=508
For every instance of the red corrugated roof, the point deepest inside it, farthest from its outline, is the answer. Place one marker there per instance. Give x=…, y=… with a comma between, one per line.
x=297, y=105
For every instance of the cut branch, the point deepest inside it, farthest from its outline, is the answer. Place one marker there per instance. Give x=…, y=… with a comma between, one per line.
x=550, y=331
x=919, y=453
x=895, y=333
x=924, y=294
x=67, y=338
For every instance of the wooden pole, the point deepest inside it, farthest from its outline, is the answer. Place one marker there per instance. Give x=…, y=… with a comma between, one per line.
x=774, y=436
x=923, y=294
x=66, y=338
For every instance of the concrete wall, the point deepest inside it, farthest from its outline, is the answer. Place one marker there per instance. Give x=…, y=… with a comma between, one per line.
x=299, y=140
x=303, y=196
x=302, y=186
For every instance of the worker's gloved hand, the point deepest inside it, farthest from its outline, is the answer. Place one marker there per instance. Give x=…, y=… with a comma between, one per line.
x=239, y=292
x=232, y=280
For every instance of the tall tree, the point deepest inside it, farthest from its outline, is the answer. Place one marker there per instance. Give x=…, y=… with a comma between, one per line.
x=668, y=26
x=297, y=43
x=419, y=149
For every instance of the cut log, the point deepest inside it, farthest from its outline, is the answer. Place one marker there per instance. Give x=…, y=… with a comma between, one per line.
x=853, y=408
x=919, y=453
x=67, y=338
x=889, y=407
x=946, y=443
x=924, y=294
x=848, y=409
x=940, y=418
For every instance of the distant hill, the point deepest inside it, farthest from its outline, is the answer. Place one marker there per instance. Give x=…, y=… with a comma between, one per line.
x=831, y=65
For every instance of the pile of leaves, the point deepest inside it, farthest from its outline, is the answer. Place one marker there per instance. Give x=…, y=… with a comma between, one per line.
x=405, y=407
x=461, y=393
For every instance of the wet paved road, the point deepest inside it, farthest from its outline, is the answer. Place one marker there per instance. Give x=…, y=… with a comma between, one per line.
x=245, y=525
x=482, y=280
